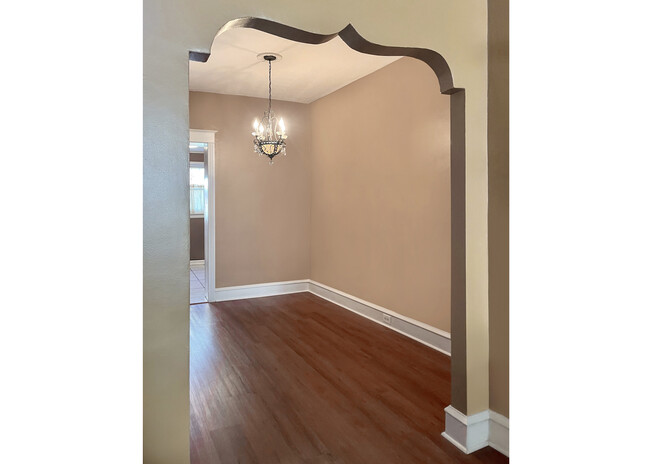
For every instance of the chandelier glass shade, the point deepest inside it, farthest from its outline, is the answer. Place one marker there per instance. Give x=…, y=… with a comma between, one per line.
x=269, y=134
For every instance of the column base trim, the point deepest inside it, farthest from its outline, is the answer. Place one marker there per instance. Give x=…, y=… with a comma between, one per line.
x=471, y=433
x=499, y=433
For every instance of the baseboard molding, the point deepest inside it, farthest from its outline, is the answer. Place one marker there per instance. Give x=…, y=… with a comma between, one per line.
x=260, y=290
x=423, y=333
x=499, y=438
x=471, y=433
x=197, y=261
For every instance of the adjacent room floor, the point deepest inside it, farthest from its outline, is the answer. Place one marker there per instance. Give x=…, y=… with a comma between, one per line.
x=197, y=282
x=297, y=379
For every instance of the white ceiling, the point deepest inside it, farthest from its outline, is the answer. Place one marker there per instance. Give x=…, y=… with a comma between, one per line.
x=304, y=74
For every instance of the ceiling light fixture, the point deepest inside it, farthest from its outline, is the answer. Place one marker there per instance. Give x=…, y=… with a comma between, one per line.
x=269, y=135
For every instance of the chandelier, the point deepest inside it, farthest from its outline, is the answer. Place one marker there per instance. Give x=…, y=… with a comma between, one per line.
x=269, y=135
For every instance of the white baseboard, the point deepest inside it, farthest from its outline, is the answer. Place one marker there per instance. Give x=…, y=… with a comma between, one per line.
x=197, y=261
x=499, y=438
x=260, y=290
x=471, y=433
x=423, y=333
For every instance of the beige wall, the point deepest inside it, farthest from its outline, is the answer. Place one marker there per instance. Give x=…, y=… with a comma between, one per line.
x=380, y=212
x=262, y=210
x=457, y=30
x=381, y=192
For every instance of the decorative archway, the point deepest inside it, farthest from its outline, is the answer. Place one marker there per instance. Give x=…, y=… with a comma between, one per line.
x=457, y=167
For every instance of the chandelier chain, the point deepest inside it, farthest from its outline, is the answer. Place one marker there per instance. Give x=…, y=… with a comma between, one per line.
x=269, y=86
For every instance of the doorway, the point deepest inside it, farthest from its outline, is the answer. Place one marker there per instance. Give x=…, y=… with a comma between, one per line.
x=201, y=182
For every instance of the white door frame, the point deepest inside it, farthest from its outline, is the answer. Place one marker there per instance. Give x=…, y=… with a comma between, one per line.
x=208, y=136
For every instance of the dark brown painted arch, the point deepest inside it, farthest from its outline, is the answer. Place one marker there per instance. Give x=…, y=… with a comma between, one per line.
x=351, y=37
x=457, y=117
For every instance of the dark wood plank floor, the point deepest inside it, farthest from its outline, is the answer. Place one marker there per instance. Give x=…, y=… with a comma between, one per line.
x=297, y=379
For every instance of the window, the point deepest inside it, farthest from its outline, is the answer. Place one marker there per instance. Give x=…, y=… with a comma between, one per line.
x=197, y=184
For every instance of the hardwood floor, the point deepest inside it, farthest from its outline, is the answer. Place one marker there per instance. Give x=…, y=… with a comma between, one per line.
x=297, y=379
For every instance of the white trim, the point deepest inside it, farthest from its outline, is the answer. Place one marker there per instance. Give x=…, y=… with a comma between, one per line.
x=202, y=136
x=454, y=442
x=471, y=433
x=499, y=437
x=260, y=290
x=423, y=333
x=210, y=220
x=196, y=216
x=197, y=261
x=468, y=433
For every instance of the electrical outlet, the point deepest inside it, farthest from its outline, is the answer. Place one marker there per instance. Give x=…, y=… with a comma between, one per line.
x=386, y=318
